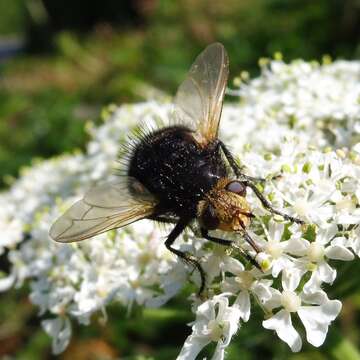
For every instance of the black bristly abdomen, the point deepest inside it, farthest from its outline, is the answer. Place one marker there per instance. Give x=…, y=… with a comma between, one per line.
x=174, y=168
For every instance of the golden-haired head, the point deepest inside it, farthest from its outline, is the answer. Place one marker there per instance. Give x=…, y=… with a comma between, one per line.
x=225, y=207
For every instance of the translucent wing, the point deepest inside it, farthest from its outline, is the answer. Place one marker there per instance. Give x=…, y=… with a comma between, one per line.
x=199, y=98
x=105, y=207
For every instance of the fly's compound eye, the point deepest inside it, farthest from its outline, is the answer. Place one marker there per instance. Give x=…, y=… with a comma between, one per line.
x=209, y=219
x=237, y=187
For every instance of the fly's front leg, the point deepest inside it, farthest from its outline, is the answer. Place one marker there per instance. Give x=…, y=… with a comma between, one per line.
x=236, y=168
x=188, y=258
x=268, y=205
x=250, y=181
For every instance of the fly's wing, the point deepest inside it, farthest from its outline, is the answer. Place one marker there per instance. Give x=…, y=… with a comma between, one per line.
x=199, y=98
x=105, y=207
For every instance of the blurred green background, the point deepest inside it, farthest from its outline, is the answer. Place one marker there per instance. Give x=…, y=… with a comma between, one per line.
x=62, y=61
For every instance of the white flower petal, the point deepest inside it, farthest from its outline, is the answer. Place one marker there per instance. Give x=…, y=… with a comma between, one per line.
x=275, y=300
x=261, y=290
x=297, y=246
x=230, y=285
x=233, y=266
x=232, y=322
x=325, y=234
x=192, y=346
x=313, y=284
x=242, y=302
x=7, y=282
x=60, y=331
x=280, y=264
x=317, y=297
x=291, y=278
x=281, y=323
x=219, y=352
x=206, y=310
x=275, y=231
x=326, y=272
x=338, y=252
x=317, y=319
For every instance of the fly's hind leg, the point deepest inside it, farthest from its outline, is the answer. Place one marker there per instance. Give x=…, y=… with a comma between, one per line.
x=188, y=258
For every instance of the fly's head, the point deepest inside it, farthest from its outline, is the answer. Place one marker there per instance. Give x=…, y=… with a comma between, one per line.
x=225, y=207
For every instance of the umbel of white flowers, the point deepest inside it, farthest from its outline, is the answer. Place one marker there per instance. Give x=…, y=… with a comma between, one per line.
x=298, y=120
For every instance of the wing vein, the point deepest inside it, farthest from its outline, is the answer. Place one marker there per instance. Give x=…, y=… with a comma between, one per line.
x=200, y=96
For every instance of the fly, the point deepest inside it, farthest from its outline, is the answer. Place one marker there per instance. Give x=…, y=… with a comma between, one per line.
x=176, y=174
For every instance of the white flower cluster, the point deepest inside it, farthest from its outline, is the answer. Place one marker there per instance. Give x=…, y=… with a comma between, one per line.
x=298, y=125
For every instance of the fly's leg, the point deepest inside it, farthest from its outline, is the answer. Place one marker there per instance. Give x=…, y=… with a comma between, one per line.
x=268, y=206
x=188, y=258
x=205, y=234
x=236, y=168
x=249, y=240
x=250, y=182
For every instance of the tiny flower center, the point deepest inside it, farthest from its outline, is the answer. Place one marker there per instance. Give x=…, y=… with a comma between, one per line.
x=274, y=249
x=216, y=329
x=290, y=301
x=102, y=292
x=135, y=284
x=245, y=279
x=264, y=260
x=311, y=267
x=316, y=252
x=345, y=204
x=301, y=206
x=144, y=259
x=219, y=250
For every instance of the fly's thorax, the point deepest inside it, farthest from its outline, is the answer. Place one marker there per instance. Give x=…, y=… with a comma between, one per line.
x=225, y=209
